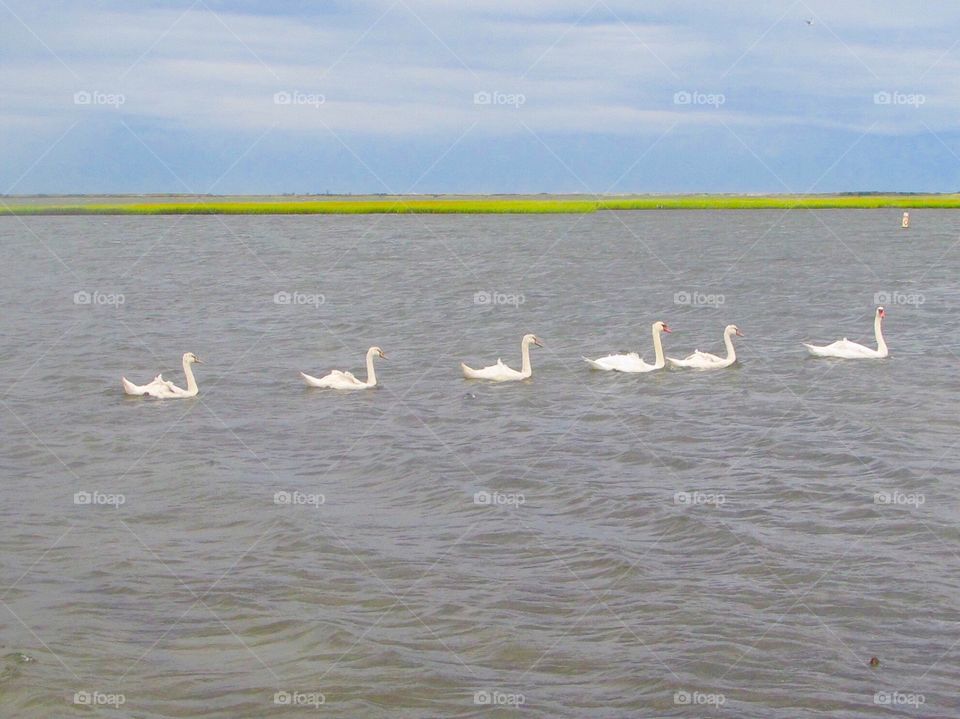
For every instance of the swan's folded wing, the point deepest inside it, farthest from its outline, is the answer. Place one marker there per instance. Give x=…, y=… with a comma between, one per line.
x=346, y=375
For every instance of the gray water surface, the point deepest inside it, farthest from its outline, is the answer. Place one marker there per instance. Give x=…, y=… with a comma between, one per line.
x=587, y=586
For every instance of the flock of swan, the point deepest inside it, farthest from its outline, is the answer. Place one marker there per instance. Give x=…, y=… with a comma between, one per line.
x=631, y=362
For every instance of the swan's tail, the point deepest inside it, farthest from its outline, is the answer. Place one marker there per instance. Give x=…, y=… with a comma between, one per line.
x=312, y=381
x=595, y=365
x=468, y=372
x=815, y=351
x=130, y=388
x=676, y=363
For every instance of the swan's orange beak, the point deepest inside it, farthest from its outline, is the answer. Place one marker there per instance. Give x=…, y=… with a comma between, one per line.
x=537, y=342
x=739, y=333
x=666, y=329
x=882, y=313
x=383, y=355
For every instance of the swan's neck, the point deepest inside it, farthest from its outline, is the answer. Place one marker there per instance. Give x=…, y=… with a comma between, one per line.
x=371, y=372
x=728, y=341
x=526, y=370
x=191, y=380
x=658, y=348
x=878, y=331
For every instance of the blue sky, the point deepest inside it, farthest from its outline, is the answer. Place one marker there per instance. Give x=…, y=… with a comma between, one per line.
x=595, y=96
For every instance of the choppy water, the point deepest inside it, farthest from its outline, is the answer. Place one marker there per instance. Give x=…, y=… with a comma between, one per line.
x=599, y=594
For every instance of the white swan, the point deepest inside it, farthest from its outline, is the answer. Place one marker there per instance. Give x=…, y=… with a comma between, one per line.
x=500, y=372
x=705, y=360
x=164, y=389
x=631, y=362
x=345, y=380
x=845, y=349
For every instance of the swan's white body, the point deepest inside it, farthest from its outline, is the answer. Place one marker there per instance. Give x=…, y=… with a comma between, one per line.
x=164, y=389
x=845, y=349
x=500, y=372
x=705, y=360
x=631, y=361
x=345, y=380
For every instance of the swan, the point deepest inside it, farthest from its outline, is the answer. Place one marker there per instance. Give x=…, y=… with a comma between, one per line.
x=500, y=372
x=845, y=349
x=344, y=380
x=705, y=360
x=631, y=362
x=164, y=389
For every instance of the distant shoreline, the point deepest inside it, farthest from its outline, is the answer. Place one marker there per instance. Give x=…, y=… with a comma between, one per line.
x=448, y=204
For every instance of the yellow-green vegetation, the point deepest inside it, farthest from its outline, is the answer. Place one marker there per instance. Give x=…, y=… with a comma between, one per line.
x=173, y=205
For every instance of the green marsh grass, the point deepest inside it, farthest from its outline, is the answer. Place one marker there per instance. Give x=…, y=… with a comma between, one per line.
x=454, y=205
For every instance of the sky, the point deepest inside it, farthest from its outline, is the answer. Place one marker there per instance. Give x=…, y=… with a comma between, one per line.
x=487, y=96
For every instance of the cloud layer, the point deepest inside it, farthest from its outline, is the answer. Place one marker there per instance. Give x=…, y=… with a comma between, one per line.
x=405, y=95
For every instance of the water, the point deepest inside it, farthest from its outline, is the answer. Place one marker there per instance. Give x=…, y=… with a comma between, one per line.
x=585, y=589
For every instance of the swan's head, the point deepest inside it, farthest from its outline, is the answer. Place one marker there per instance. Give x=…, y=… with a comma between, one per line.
x=661, y=327
x=733, y=330
x=532, y=340
x=881, y=313
x=191, y=358
x=377, y=352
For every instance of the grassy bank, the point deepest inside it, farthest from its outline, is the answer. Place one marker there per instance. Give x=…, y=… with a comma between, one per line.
x=173, y=205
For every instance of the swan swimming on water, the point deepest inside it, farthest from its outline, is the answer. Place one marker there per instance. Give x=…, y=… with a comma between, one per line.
x=845, y=349
x=345, y=380
x=164, y=389
x=631, y=361
x=500, y=372
x=705, y=360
